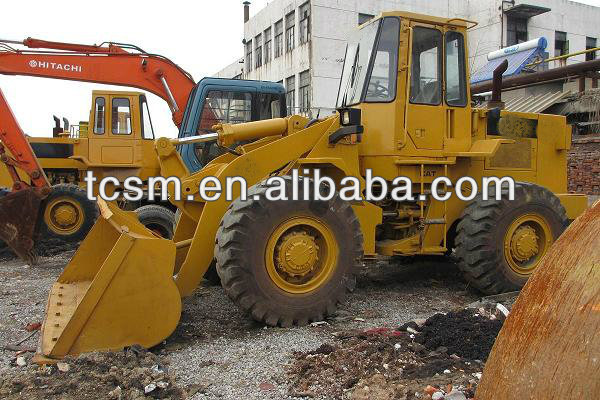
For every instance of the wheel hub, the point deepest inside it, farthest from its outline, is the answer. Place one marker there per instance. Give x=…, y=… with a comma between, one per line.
x=524, y=243
x=65, y=215
x=297, y=254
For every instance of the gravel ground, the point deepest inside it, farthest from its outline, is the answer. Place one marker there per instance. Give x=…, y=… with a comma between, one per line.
x=217, y=351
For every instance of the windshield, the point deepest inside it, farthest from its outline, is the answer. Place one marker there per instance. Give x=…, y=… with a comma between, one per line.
x=358, y=51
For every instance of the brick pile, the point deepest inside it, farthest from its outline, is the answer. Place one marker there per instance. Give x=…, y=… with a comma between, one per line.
x=584, y=166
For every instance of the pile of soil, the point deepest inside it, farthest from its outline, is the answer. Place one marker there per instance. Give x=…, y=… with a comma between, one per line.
x=447, y=353
x=123, y=375
x=464, y=333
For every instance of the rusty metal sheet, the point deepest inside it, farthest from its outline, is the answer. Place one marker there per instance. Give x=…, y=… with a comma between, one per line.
x=19, y=213
x=549, y=347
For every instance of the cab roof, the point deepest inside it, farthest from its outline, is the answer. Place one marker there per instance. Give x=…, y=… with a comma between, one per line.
x=460, y=22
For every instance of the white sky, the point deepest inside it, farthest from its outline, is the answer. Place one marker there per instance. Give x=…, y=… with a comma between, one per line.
x=202, y=36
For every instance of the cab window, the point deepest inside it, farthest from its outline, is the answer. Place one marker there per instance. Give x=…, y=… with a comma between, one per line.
x=99, y=108
x=265, y=106
x=456, y=85
x=147, y=129
x=121, y=116
x=225, y=107
x=426, y=68
x=383, y=75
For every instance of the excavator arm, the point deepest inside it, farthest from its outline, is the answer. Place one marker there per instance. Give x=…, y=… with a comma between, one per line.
x=19, y=210
x=109, y=63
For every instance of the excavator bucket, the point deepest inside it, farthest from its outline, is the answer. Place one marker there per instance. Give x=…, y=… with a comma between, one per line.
x=117, y=291
x=19, y=212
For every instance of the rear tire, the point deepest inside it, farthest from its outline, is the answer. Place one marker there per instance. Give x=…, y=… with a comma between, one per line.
x=499, y=243
x=68, y=214
x=158, y=219
x=288, y=262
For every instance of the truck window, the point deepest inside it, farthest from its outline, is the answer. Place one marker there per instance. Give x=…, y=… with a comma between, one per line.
x=382, y=79
x=121, y=116
x=99, y=107
x=147, y=129
x=426, y=82
x=456, y=87
x=225, y=107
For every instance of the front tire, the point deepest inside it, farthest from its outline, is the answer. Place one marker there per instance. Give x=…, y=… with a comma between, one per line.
x=288, y=262
x=499, y=243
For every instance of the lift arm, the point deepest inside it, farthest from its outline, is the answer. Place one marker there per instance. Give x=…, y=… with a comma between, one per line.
x=108, y=63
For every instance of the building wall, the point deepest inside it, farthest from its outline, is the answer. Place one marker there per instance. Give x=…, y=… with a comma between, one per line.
x=584, y=169
x=333, y=20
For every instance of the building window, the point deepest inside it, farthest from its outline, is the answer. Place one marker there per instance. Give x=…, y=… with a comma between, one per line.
x=362, y=18
x=258, y=51
x=561, y=44
x=290, y=94
x=304, y=22
x=590, y=43
x=278, y=38
x=268, y=44
x=304, y=92
x=249, y=56
x=516, y=31
x=290, y=31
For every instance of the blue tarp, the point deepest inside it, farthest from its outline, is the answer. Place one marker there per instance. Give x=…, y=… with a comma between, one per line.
x=516, y=62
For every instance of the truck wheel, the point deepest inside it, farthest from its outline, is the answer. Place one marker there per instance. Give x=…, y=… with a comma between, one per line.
x=158, y=219
x=68, y=213
x=288, y=262
x=500, y=242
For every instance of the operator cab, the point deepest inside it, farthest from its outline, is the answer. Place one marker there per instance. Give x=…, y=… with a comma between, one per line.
x=407, y=74
x=214, y=101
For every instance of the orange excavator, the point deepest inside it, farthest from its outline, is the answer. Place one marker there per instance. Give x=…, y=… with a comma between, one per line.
x=107, y=63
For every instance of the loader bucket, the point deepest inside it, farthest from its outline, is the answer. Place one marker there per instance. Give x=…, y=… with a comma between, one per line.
x=117, y=290
x=19, y=213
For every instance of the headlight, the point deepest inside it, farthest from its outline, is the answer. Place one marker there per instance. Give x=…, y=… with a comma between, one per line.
x=349, y=116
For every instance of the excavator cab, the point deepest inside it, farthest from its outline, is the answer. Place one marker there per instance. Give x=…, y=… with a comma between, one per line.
x=215, y=101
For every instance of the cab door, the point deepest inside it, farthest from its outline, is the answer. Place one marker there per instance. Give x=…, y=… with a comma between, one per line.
x=113, y=138
x=426, y=114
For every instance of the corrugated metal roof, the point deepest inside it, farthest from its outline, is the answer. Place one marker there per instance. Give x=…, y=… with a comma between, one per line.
x=535, y=104
x=516, y=63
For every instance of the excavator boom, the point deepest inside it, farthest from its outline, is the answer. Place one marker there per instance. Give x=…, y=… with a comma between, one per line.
x=109, y=64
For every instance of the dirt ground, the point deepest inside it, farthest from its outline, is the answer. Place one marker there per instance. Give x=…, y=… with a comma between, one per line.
x=365, y=351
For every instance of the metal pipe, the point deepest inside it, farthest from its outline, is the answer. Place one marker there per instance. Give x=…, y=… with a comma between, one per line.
x=497, y=81
x=174, y=107
x=11, y=41
x=537, y=77
x=207, y=137
x=246, y=11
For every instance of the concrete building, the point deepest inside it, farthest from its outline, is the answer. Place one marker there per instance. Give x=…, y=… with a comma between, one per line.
x=301, y=43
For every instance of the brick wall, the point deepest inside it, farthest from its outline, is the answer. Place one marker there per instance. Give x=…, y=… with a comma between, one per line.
x=584, y=166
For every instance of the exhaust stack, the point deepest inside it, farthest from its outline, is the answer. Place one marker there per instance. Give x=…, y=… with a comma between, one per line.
x=246, y=11
x=496, y=100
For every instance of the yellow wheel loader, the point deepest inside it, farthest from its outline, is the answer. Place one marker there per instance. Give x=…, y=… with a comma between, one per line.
x=404, y=111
